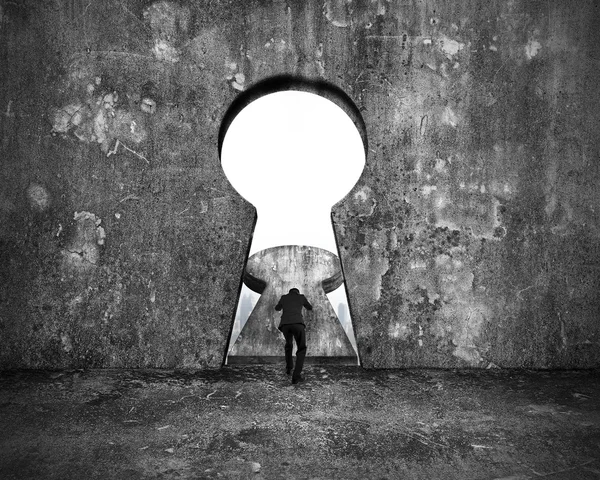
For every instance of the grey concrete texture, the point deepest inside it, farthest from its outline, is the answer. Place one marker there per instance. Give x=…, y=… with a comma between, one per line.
x=342, y=423
x=283, y=268
x=471, y=239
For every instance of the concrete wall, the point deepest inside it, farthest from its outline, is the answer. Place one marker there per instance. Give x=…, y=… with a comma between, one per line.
x=472, y=238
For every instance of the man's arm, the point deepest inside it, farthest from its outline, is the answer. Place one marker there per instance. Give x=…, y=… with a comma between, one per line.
x=307, y=304
x=279, y=306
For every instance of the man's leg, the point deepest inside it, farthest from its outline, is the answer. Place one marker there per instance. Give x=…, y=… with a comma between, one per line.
x=289, y=345
x=300, y=336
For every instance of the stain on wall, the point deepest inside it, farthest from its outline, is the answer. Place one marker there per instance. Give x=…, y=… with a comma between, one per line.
x=472, y=238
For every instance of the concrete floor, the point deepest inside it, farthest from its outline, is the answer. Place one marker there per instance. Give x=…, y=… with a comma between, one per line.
x=342, y=423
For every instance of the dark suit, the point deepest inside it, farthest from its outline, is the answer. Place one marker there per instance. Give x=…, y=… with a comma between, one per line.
x=292, y=326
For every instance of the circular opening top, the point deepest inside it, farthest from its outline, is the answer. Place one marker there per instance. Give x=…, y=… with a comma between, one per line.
x=292, y=147
x=293, y=153
x=281, y=83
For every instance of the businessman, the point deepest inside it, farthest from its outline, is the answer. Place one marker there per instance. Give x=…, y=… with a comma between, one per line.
x=292, y=326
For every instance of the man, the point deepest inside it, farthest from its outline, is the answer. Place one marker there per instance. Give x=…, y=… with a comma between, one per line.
x=292, y=326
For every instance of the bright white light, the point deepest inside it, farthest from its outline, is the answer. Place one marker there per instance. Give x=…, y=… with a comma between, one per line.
x=293, y=155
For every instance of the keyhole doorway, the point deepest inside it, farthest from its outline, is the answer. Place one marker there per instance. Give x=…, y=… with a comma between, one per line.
x=293, y=154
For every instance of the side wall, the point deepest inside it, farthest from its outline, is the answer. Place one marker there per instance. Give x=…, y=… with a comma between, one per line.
x=472, y=238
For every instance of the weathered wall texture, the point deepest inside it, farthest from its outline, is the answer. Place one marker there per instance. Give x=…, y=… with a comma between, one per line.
x=472, y=238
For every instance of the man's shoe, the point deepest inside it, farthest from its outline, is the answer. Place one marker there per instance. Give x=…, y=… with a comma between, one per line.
x=297, y=380
x=288, y=371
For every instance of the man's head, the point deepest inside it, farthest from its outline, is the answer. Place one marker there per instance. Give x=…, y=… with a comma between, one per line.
x=294, y=290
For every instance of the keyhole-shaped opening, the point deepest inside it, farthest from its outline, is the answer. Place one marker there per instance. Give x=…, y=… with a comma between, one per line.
x=293, y=154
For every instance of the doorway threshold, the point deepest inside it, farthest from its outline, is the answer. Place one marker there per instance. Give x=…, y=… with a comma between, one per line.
x=274, y=359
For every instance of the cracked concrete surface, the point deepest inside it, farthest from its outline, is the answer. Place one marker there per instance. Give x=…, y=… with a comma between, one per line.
x=342, y=423
x=471, y=238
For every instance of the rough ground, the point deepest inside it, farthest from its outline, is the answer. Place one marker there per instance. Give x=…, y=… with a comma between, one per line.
x=342, y=423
